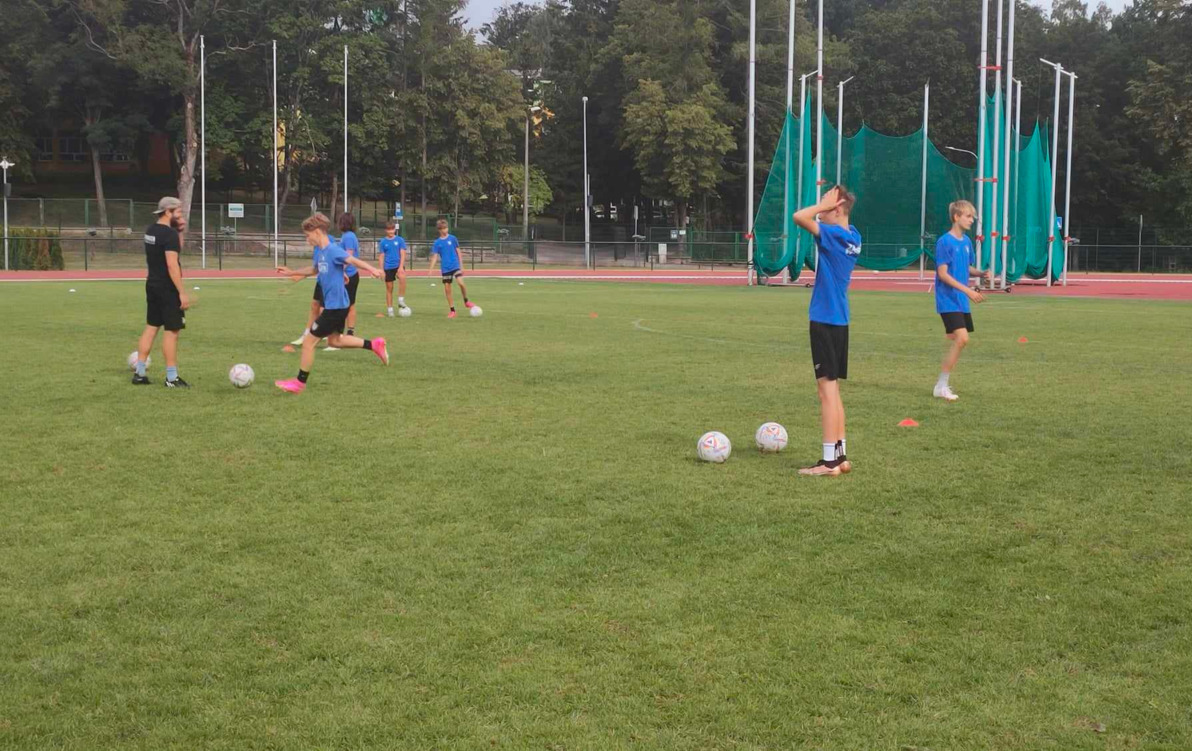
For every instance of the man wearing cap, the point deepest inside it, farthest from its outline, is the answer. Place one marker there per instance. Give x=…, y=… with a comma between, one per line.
x=165, y=297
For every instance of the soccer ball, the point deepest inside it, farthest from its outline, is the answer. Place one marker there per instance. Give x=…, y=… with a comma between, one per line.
x=475, y=311
x=770, y=438
x=405, y=312
x=132, y=360
x=241, y=376
x=714, y=446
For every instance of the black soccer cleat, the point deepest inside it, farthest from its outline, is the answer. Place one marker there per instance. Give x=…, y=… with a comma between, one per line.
x=140, y=380
x=177, y=383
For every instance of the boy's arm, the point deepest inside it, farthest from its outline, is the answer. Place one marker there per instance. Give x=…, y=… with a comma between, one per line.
x=805, y=217
x=948, y=279
x=364, y=265
x=434, y=258
x=298, y=276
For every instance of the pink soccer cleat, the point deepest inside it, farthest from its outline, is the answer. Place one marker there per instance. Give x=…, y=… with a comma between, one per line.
x=469, y=305
x=451, y=314
x=379, y=349
x=291, y=385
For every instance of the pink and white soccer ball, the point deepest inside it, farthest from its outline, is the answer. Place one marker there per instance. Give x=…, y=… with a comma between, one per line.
x=714, y=447
x=770, y=438
x=132, y=360
x=241, y=376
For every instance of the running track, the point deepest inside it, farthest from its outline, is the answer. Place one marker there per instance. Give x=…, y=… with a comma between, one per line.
x=1119, y=286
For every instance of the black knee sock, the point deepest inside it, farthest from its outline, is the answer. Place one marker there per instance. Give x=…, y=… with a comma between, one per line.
x=351, y=332
x=452, y=308
x=368, y=344
x=303, y=375
x=465, y=299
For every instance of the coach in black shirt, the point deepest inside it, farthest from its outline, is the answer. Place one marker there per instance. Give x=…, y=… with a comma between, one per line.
x=165, y=297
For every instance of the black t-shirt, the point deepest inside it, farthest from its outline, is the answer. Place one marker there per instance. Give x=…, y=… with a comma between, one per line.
x=158, y=239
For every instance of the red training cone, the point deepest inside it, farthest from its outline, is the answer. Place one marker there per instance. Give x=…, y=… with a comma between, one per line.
x=593, y=315
x=287, y=348
x=1022, y=340
x=908, y=423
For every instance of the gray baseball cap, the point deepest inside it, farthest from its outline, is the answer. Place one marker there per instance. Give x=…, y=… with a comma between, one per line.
x=166, y=204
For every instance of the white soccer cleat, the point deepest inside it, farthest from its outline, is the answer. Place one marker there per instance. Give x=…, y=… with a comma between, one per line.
x=298, y=342
x=945, y=393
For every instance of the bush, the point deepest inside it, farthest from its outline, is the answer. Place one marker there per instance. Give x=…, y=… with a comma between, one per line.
x=33, y=249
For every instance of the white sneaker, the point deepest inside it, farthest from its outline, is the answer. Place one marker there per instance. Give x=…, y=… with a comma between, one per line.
x=329, y=348
x=298, y=342
x=945, y=393
x=391, y=312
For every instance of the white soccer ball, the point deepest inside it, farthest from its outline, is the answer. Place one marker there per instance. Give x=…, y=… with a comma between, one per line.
x=475, y=311
x=770, y=438
x=714, y=446
x=241, y=376
x=132, y=360
x=405, y=312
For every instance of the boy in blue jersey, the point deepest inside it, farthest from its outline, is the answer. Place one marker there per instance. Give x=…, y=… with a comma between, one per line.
x=393, y=251
x=839, y=244
x=330, y=260
x=953, y=262
x=351, y=245
x=446, y=252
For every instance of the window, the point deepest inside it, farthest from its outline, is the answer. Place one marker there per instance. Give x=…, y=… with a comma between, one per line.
x=45, y=148
x=72, y=149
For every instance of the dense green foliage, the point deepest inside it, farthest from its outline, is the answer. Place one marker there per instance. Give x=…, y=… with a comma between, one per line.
x=437, y=111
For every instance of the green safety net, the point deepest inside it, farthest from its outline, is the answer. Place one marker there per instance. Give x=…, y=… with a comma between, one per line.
x=886, y=174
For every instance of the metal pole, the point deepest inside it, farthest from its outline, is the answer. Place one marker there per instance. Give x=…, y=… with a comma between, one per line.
x=1055, y=145
x=750, y=121
x=997, y=111
x=203, y=147
x=526, y=186
x=840, y=126
x=799, y=173
x=819, y=114
x=275, y=152
x=787, y=225
x=982, y=65
x=587, y=198
x=1068, y=175
x=1139, y=243
x=1017, y=154
x=5, y=164
x=923, y=188
x=1006, y=159
x=345, y=129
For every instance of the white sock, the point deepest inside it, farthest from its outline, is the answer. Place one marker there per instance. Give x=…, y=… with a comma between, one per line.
x=942, y=383
x=305, y=332
x=829, y=452
x=390, y=311
x=401, y=301
x=843, y=447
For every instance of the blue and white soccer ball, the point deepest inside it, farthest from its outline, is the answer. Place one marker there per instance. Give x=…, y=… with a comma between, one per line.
x=405, y=312
x=714, y=447
x=241, y=376
x=475, y=311
x=770, y=438
x=132, y=360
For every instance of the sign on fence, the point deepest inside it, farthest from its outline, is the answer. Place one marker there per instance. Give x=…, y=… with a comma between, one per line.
x=397, y=212
x=235, y=211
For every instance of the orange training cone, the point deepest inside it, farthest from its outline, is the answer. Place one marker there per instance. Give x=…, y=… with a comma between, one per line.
x=908, y=423
x=1022, y=340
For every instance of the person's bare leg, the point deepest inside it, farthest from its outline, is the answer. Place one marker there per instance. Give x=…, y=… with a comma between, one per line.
x=146, y=342
x=401, y=284
x=943, y=389
x=831, y=425
x=169, y=348
x=389, y=295
x=463, y=290
x=351, y=321
x=450, y=298
x=315, y=308
x=308, y=352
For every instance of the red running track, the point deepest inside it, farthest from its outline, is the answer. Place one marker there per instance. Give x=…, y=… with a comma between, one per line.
x=1117, y=286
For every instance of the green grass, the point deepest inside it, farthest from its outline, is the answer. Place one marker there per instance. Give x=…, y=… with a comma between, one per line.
x=504, y=539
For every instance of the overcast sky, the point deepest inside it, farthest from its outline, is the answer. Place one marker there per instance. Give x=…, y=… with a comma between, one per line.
x=480, y=12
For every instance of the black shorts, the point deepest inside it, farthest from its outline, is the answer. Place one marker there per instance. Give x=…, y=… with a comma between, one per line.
x=451, y=276
x=353, y=283
x=163, y=307
x=390, y=274
x=329, y=322
x=318, y=293
x=829, y=351
x=954, y=321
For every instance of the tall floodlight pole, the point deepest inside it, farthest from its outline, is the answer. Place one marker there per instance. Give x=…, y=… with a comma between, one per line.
x=1017, y=153
x=5, y=164
x=995, y=216
x=345, y=129
x=274, y=160
x=1055, y=144
x=982, y=66
x=1068, y=173
x=923, y=185
x=787, y=223
x=588, y=197
x=840, y=126
x=1006, y=179
x=819, y=114
x=203, y=147
x=750, y=122
x=799, y=173
x=526, y=184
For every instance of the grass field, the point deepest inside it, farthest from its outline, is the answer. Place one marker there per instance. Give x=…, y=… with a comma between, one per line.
x=504, y=539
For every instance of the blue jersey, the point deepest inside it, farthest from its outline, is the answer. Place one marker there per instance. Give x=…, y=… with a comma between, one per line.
x=958, y=254
x=448, y=250
x=392, y=250
x=330, y=263
x=352, y=246
x=838, y=251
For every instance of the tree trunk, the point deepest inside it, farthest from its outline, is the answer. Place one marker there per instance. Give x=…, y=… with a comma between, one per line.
x=287, y=177
x=681, y=213
x=190, y=137
x=423, y=236
x=97, y=173
x=458, y=179
x=334, y=195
